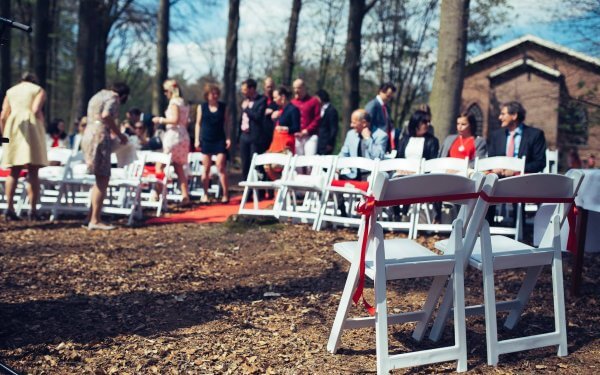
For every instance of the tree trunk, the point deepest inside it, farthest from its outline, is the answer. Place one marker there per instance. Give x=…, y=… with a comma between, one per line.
x=450, y=68
x=41, y=47
x=290, y=44
x=83, y=88
x=351, y=99
x=5, y=73
x=230, y=71
x=162, y=57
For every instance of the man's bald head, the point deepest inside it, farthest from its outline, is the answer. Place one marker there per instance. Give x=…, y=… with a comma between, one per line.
x=299, y=89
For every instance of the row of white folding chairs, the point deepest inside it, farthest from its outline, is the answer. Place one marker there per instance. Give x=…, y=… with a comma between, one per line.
x=322, y=188
x=470, y=244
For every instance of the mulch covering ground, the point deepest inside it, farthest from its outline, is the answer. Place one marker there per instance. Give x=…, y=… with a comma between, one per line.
x=244, y=296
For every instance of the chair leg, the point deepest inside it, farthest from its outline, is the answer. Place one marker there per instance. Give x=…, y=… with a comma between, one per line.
x=244, y=199
x=531, y=276
x=489, y=296
x=560, y=320
x=460, y=330
x=381, y=318
x=342, y=312
x=432, y=298
x=442, y=314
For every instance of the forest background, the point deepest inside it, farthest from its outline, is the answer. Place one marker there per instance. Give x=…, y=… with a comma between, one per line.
x=347, y=47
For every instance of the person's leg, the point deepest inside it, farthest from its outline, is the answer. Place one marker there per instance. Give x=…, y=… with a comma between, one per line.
x=310, y=146
x=206, y=163
x=222, y=168
x=11, y=186
x=98, y=194
x=183, y=184
x=33, y=188
x=158, y=168
x=245, y=155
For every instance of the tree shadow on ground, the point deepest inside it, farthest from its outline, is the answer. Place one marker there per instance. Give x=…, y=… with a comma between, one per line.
x=93, y=318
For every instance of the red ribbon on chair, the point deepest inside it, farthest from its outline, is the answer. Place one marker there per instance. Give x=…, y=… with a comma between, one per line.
x=366, y=208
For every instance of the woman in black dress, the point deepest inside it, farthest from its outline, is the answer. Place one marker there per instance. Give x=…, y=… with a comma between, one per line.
x=212, y=138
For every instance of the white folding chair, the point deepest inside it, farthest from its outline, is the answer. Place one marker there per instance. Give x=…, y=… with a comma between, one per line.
x=493, y=253
x=349, y=191
x=124, y=192
x=308, y=186
x=407, y=166
x=394, y=259
x=253, y=183
x=156, y=181
x=73, y=188
x=502, y=213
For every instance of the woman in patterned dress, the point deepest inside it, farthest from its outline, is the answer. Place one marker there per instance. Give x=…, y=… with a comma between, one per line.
x=97, y=144
x=22, y=122
x=176, y=140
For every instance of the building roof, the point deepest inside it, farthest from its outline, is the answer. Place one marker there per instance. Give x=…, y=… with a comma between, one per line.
x=535, y=40
x=527, y=62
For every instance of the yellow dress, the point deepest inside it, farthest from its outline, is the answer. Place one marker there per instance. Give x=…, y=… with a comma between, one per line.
x=26, y=133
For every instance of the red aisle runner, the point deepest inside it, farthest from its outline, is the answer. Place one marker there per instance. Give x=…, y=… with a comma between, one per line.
x=209, y=213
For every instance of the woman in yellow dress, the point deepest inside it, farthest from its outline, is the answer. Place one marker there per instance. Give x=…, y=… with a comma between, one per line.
x=22, y=122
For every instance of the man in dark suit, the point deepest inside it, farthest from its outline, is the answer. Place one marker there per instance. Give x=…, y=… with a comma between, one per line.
x=514, y=138
x=328, y=125
x=380, y=112
x=251, y=130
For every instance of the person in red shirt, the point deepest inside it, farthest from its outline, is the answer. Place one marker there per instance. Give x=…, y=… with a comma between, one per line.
x=310, y=114
x=465, y=143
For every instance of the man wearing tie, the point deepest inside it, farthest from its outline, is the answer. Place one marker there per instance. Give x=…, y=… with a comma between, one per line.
x=516, y=139
x=380, y=113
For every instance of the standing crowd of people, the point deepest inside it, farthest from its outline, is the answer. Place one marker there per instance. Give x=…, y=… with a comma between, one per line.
x=280, y=120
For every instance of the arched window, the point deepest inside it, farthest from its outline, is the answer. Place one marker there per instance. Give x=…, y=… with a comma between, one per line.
x=475, y=110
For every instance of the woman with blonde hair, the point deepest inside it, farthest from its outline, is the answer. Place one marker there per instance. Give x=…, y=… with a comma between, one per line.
x=212, y=129
x=22, y=122
x=176, y=140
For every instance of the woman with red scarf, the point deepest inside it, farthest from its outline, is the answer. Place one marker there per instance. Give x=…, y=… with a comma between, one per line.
x=465, y=143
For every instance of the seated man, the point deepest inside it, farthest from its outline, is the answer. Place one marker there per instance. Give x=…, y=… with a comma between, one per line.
x=516, y=139
x=361, y=141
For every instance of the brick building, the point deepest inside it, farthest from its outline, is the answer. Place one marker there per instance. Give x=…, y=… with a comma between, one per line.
x=559, y=88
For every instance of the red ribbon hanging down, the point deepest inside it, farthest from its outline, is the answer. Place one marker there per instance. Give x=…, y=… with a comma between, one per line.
x=367, y=207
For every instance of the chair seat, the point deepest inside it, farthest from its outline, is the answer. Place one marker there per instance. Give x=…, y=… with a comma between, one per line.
x=508, y=253
x=397, y=251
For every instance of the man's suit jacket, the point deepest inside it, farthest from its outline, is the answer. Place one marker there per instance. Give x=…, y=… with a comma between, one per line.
x=372, y=148
x=532, y=146
x=328, y=129
x=375, y=109
x=256, y=116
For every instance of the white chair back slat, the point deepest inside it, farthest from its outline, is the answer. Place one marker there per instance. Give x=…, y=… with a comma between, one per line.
x=400, y=164
x=500, y=162
x=446, y=165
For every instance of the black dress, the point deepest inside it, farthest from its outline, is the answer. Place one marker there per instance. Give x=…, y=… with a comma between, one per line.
x=212, y=130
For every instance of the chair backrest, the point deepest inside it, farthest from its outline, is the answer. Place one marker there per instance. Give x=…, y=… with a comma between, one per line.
x=551, y=161
x=321, y=168
x=156, y=157
x=500, y=162
x=538, y=187
x=356, y=162
x=271, y=158
x=424, y=188
x=402, y=164
x=446, y=165
x=60, y=155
